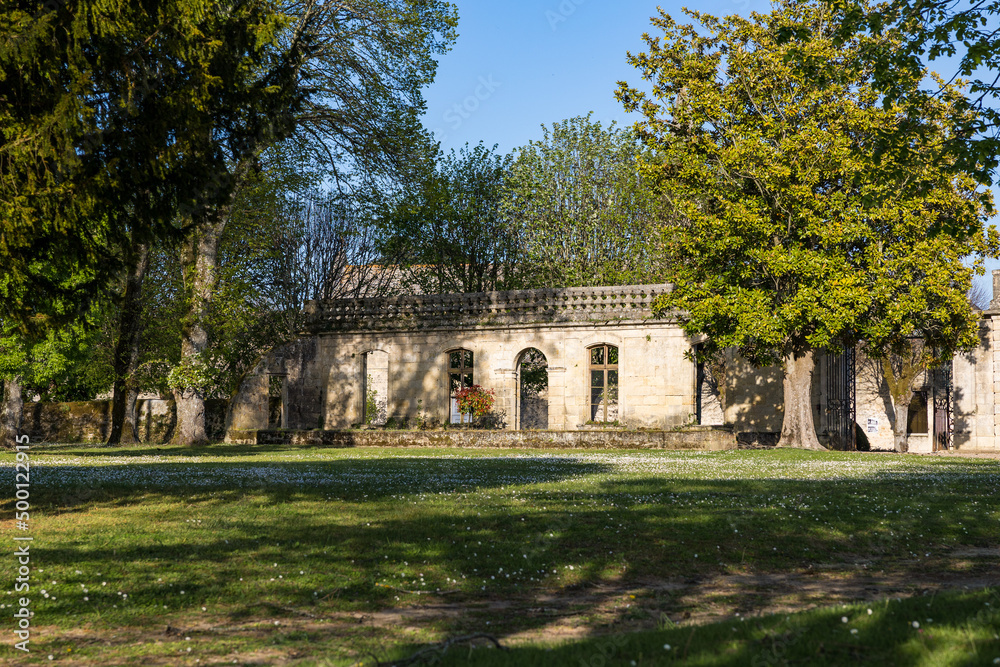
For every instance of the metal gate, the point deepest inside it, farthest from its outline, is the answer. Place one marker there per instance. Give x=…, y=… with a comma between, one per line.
x=840, y=410
x=941, y=388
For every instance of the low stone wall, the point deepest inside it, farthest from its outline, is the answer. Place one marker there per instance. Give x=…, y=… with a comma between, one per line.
x=90, y=421
x=697, y=438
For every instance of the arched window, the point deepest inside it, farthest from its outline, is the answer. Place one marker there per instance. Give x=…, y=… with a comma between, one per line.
x=459, y=377
x=604, y=383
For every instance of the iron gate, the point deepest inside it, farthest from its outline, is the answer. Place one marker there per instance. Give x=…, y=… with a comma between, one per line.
x=841, y=408
x=942, y=386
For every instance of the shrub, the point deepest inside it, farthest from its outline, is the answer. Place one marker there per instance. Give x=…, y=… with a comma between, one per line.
x=475, y=401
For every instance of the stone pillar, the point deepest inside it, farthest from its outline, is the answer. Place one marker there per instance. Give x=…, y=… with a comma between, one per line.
x=507, y=394
x=976, y=413
x=995, y=302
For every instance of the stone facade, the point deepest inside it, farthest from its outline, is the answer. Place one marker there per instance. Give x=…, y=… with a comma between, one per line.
x=327, y=370
x=404, y=349
x=976, y=376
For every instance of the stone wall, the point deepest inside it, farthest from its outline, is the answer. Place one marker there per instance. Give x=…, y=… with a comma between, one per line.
x=326, y=386
x=697, y=438
x=478, y=309
x=977, y=385
x=90, y=421
x=326, y=373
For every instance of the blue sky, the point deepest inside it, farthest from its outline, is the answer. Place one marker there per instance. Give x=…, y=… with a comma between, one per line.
x=519, y=64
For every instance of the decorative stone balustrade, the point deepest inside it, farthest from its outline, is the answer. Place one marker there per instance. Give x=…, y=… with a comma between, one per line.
x=571, y=304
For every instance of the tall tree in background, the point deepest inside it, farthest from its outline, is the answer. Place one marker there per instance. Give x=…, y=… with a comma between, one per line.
x=447, y=228
x=50, y=363
x=118, y=123
x=792, y=233
x=286, y=242
x=582, y=207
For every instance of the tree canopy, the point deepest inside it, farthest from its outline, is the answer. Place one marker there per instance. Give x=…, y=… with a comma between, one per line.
x=116, y=119
x=447, y=230
x=792, y=234
x=920, y=33
x=582, y=207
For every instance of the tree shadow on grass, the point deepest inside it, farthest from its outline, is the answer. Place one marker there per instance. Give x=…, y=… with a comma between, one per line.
x=364, y=532
x=955, y=628
x=67, y=486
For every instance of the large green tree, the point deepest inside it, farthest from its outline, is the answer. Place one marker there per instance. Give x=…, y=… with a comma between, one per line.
x=792, y=233
x=117, y=120
x=582, y=208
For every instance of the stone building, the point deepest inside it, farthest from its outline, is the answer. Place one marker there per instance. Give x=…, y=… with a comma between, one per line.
x=580, y=359
x=596, y=354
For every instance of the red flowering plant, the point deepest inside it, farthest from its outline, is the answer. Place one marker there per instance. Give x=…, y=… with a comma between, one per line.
x=474, y=401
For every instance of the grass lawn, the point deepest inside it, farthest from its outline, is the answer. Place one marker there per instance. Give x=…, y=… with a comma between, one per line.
x=261, y=555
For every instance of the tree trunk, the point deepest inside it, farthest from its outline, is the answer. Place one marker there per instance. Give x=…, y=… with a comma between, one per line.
x=127, y=351
x=900, y=443
x=11, y=413
x=798, y=428
x=130, y=427
x=199, y=257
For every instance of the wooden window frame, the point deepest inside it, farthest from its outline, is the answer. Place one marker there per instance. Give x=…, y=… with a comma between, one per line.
x=604, y=368
x=460, y=372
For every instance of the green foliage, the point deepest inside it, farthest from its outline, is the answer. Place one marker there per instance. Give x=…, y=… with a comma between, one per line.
x=923, y=32
x=101, y=151
x=791, y=233
x=447, y=228
x=371, y=402
x=196, y=374
x=55, y=364
x=533, y=371
x=582, y=208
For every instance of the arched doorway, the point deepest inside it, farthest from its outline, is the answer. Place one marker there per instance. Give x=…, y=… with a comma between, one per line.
x=533, y=389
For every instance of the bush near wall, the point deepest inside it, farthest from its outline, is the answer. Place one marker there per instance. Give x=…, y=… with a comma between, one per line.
x=90, y=421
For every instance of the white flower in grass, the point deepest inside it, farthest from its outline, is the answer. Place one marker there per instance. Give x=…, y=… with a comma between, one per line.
x=915, y=624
